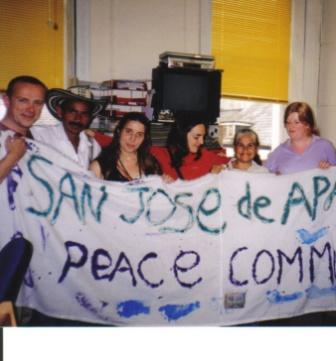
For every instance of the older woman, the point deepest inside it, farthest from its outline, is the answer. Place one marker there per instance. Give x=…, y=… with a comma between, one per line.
x=246, y=158
x=304, y=149
x=185, y=156
x=127, y=157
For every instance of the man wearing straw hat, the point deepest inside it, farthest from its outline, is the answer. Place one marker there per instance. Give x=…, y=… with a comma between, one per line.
x=75, y=113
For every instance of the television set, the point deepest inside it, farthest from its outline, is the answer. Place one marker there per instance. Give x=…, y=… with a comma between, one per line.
x=187, y=89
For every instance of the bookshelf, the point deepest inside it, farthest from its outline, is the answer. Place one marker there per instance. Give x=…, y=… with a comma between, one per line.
x=122, y=96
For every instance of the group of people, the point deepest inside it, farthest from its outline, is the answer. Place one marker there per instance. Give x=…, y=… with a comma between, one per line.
x=185, y=157
x=129, y=154
x=24, y=100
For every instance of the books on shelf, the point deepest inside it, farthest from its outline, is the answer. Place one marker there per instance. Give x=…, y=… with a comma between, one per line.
x=123, y=84
x=122, y=96
x=127, y=108
x=129, y=101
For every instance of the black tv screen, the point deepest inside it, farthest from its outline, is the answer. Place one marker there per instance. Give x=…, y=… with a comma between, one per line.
x=181, y=89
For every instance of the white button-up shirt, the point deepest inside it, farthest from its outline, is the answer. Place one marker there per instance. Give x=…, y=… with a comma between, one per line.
x=55, y=136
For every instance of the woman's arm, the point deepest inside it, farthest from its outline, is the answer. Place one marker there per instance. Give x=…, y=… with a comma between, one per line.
x=218, y=158
x=96, y=170
x=102, y=139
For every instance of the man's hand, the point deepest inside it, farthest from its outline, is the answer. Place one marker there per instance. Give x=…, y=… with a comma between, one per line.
x=16, y=148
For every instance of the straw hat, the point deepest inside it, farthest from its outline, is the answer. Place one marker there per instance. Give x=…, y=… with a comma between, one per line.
x=56, y=96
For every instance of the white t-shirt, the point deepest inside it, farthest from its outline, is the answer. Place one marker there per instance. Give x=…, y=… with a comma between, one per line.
x=55, y=136
x=255, y=168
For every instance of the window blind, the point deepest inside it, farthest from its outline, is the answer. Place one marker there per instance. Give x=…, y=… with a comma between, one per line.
x=31, y=43
x=250, y=42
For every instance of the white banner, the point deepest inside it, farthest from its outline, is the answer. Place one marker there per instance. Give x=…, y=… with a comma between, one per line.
x=221, y=250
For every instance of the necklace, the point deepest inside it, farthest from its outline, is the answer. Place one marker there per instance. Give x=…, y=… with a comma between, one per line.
x=127, y=175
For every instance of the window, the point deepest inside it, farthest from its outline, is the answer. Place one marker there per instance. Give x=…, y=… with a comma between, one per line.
x=265, y=118
x=32, y=40
x=250, y=42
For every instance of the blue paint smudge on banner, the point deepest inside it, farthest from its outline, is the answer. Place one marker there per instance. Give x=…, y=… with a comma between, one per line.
x=12, y=186
x=276, y=297
x=44, y=237
x=174, y=312
x=28, y=279
x=132, y=308
x=314, y=292
x=84, y=301
x=103, y=304
x=33, y=147
x=16, y=235
x=305, y=237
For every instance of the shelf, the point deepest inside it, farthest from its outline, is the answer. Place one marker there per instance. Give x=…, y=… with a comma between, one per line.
x=122, y=96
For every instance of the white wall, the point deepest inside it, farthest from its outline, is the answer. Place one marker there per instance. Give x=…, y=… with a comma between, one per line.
x=305, y=51
x=123, y=38
x=313, y=75
x=304, y=65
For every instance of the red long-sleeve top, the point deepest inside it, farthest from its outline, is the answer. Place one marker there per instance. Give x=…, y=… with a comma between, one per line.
x=190, y=169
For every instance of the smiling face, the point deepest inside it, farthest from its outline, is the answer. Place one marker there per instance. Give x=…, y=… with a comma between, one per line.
x=245, y=149
x=195, y=138
x=24, y=106
x=296, y=129
x=76, y=116
x=132, y=136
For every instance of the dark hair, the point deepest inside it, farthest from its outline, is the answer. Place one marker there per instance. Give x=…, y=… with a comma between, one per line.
x=247, y=131
x=23, y=79
x=67, y=103
x=306, y=115
x=109, y=156
x=177, y=142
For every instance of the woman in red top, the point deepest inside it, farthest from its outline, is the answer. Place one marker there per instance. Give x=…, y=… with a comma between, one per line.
x=185, y=157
